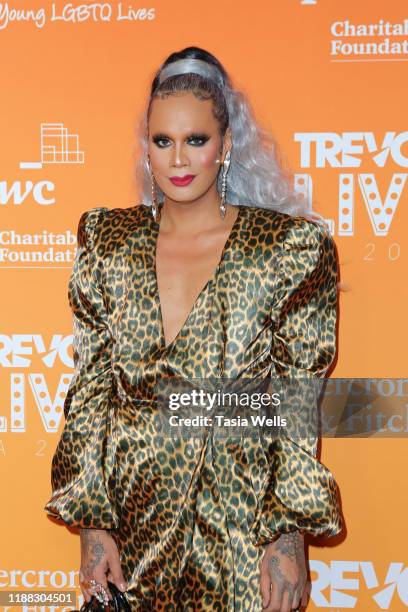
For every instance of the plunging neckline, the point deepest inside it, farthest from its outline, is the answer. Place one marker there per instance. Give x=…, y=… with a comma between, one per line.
x=227, y=244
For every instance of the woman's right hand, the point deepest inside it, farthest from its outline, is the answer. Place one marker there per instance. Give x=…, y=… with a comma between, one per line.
x=99, y=561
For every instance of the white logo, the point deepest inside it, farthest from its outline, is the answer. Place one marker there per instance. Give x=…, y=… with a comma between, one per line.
x=332, y=577
x=349, y=150
x=57, y=146
x=16, y=352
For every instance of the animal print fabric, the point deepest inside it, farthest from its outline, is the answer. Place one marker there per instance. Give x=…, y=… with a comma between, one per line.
x=190, y=515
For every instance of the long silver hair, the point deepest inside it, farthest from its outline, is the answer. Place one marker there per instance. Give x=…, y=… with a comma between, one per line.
x=255, y=176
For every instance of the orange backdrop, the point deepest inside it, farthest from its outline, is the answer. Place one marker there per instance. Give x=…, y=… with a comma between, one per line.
x=328, y=78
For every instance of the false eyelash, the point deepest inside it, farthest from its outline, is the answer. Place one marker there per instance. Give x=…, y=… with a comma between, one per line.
x=197, y=136
x=158, y=137
x=193, y=136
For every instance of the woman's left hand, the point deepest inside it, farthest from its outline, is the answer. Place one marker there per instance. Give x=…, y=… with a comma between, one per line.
x=283, y=573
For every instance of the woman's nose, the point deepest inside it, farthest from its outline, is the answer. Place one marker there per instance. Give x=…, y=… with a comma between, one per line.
x=179, y=156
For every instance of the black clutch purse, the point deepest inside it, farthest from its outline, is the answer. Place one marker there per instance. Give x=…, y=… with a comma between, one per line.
x=119, y=603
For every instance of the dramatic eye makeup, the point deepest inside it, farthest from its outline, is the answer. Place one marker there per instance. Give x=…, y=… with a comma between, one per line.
x=196, y=139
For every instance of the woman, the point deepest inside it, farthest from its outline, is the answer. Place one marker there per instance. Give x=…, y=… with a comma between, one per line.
x=189, y=285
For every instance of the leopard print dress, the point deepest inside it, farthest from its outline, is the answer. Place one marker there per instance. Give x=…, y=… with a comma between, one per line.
x=190, y=514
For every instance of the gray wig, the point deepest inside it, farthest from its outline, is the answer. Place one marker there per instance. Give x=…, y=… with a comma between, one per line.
x=255, y=177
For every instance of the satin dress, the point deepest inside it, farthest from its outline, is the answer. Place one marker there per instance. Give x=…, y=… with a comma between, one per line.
x=190, y=516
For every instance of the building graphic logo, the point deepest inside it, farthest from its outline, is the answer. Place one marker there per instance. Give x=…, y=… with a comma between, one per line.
x=57, y=147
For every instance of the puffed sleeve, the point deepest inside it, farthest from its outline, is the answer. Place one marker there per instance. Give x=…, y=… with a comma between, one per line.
x=300, y=493
x=82, y=475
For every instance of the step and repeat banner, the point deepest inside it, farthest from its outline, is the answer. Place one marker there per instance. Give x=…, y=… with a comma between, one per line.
x=328, y=79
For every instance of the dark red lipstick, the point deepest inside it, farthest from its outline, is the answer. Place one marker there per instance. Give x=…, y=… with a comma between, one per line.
x=182, y=181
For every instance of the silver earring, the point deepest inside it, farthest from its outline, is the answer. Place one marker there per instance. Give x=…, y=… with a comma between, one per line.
x=155, y=204
x=225, y=167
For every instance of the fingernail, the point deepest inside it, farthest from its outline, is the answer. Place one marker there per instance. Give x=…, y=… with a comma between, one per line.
x=122, y=586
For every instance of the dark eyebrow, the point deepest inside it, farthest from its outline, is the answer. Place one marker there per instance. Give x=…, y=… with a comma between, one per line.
x=160, y=135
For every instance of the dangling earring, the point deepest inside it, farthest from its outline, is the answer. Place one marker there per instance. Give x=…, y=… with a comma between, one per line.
x=225, y=166
x=155, y=204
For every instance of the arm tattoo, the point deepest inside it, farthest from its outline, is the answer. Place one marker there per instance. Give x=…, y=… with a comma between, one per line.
x=291, y=545
x=94, y=547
